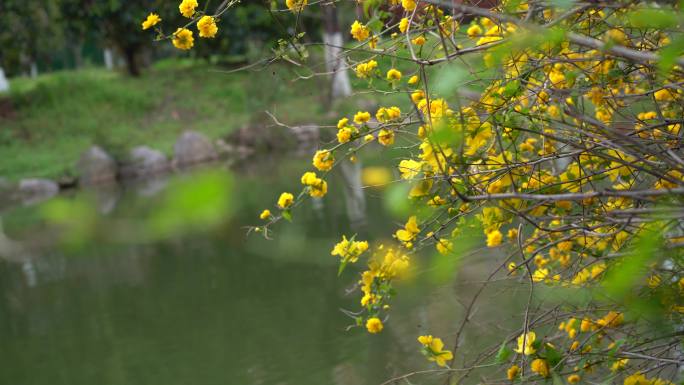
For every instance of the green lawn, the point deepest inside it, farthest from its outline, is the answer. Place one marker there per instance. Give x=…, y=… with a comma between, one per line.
x=58, y=115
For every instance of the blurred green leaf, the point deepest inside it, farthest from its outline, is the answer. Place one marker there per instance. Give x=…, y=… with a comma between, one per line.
x=395, y=200
x=563, y=4
x=198, y=201
x=449, y=79
x=443, y=267
x=76, y=218
x=653, y=18
x=623, y=276
x=670, y=53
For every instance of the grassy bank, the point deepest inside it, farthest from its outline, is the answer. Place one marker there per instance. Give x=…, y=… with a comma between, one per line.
x=47, y=122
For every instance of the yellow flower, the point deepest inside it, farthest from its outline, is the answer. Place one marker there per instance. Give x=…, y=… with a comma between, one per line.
x=420, y=40
x=434, y=349
x=410, y=230
x=374, y=325
x=512, y=372
x=362, y=117
x=636, y=379
x=386, y=137
x=387, y=114
x=408, y=5
x=612, y=319
x=286, y=199
x=540, y=366
x=207, y=26
x=474, y=30
x=574, y=346
x=365, y=70
x=345, y=134
x=494, y=238
x=359, y=31
x=393, y=75
x=403, y=24
x=525, y=342
x=296, y=5
x=368, y=138
x=574, y=378
x=323, y=160
x=409, y=168
x=182, y=39
x=151, y=21
x=660, y=95
x=342, y=123
x=265, y=214
x=619, y=364
x=187, y=7
x=349, y=250
x=317, y=187
x=413, y=79
x=512, y=268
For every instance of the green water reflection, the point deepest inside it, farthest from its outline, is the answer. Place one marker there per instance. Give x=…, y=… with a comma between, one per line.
x=220, y=308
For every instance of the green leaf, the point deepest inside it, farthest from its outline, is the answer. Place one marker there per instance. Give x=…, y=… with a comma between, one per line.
x=670, y=53
x=449, y=79
x=553, y=356
x=653, y=18
x=503, y=353
x=511, y=89
x=443, y=268
x=287, y=214
x=557, y=380
x=193, y=202
x=395, y=200
x=623, y=276
x=563, y=4
x=343, y=264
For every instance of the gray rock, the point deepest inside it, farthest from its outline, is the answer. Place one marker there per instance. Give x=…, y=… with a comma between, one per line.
x=233, y=151
x=191, y=148
x=96, y=167
x=144, y=161
x=34, y=190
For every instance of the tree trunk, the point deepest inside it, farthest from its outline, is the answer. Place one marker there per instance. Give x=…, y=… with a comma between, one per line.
x=130, y=55
x=334, y=58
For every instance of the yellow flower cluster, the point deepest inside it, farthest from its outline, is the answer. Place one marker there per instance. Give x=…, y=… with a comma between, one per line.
x=316, y=186
x=359, y=31
x=365, y=70
x=349, y=250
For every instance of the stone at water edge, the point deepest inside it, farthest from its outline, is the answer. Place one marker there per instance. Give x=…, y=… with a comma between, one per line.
x=96, y=166
x=191, y=148
x=144, y=161
x=35, y=190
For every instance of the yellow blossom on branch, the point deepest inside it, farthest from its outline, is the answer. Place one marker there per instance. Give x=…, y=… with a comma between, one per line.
x=359, y=31
x=152, y=20
x=182, y=39
x=207, y=26
x=374, y=325
x=323, y=160
x=296, y=5
x=285, y=200
x=433, y=348
x=187, y=8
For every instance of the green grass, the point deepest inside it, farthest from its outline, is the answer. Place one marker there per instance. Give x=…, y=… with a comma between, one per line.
x=58, y=115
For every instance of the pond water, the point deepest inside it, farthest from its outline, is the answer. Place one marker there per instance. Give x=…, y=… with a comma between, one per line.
x=218, y=307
